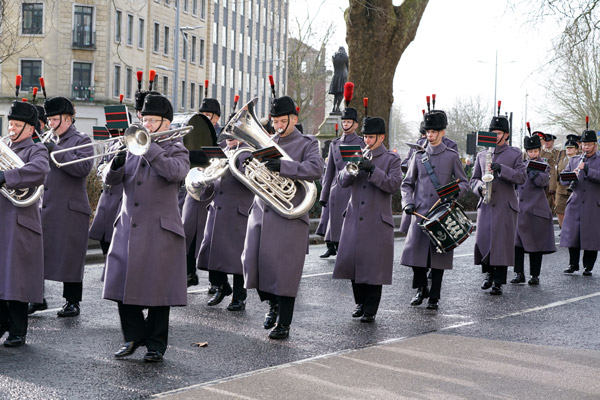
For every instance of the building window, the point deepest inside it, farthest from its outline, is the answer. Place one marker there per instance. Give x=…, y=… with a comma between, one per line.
x=33, y=19
x=242, y=7
x=183, y=94
x=232, y=39
x=203, y=9
x=141, y=33
x=117, y=81
x=83, y=35
x=166, y=48
x=185, y=47
x=128, y=82
x=201, y=53
x=31, y=70
x=129, y=29
x=192, y=95
x=194, y=7
x=200, y=94
x=194, y=43
x=213, y=77
x=224, y=36
x=165, y=88
x=82, y=81
x=215, y=33
x=185, y=5
x=156, y=46
x=118, y=22
x=222, y=75
x=167, y=2
x=231, y=76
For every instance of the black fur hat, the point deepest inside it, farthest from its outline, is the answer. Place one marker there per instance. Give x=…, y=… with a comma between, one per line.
x=373, y=126
x=156, y=104
x=532, y=142
x=210, y=105
x=500, y=123
x=350, y=113
x=25, y=112
x=589, y=136
x=283, y=105
x=422, y=130
x=140, y=96
x=436, y=120
x=58, y=105
x=41, y=113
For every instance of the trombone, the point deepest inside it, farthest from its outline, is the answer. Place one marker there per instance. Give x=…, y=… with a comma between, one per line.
x=137, y=141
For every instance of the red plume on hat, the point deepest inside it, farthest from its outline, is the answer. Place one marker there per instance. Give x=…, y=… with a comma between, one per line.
x=499, y=104
x=528, y=127
x=43, y=85
x=366, y=104
x=587, y=122
x=206, y=88
x=139, y=75
x=17, y=85
x=428, y=99
x=151, y=79
x=348, y=92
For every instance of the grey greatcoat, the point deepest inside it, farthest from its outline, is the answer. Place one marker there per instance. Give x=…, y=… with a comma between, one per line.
x=366, y=251
x=535, y=227
x=336, y=196
x=225, y=231
x=22, y=254
x=580, y=226
x=66, y=211
x=418, y=189
x=275, y=247
x=497, y=221
x=146, y=263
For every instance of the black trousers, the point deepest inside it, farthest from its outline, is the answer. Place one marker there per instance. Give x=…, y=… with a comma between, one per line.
x=13, y=315
x=285, y=304
x=498, y=272
x=191, y=258
x=535, y=261
x=218, y=278
x=104, y=245
x=367, y=295
x=153, y=331
x=589, y=258
x=72, y=291
x=420, y=280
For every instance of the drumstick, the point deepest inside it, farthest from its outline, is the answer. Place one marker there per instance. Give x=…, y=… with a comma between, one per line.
x=435, y=205
x=422, y=216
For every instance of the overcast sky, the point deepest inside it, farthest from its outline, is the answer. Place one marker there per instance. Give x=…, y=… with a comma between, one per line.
x=453, y=54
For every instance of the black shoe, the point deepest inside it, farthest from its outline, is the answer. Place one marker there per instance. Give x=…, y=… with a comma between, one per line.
x=534, y=281
x=571, y=269
x=429, y=276
x=220, y=294
x=496, y=290
x=271, y=316
x=368, y=318
x=153, y=356
x=330, y=250
x=237, y=305
x=192, y=279
x=212, y=289
x=33, y=307
x=127, y=349
x=519, y=278
x=432, y=304
x=422, y=293
x=587, y=272
x=14, y=341
x=280, y=332
x=3, y=329
x=69, y=310
x=358, y=311
x=488, y=281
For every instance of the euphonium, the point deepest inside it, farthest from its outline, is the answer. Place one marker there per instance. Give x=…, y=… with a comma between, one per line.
x=352, y=167
x=18, y=197
x=199, y=177
x=278, y=192
x=488, y=177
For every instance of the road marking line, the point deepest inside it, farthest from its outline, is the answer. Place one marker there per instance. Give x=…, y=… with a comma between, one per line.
x=319, y=274
x=547, y=306
x=47, y=311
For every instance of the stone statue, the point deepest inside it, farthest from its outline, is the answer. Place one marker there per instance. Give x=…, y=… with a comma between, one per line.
x=340, y=76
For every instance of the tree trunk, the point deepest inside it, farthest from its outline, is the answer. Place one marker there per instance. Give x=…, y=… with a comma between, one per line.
x=377, y=33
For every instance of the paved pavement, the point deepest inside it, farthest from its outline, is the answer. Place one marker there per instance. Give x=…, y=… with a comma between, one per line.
x=475, y=346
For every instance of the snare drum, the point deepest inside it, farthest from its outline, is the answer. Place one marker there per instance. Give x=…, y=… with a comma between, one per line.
x=447, y=226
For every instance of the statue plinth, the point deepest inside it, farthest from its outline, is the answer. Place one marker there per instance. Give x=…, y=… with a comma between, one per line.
x=327, y=128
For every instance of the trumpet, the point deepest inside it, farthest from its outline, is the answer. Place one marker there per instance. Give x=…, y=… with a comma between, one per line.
x=488, y=177
x=352, y=167
x=198, y=177
x=137, y=141
x=49, y=136
x=18, y=197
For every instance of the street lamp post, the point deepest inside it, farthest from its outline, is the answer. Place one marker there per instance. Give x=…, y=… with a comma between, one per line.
x=496, y=76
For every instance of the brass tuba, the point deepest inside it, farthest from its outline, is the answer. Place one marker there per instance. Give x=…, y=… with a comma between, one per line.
x=278, y=192
x=18, y=197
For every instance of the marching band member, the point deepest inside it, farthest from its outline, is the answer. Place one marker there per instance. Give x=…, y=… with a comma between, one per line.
x=66, y=209
x=333, y=196
x=419, y=194
x=366, y=253
x=580, y=223
x=497, y=221
x=145, y=266
x=562, y=193
x=535, y=228
x=551, y=155
x=21, y=259
x=275, y=247
x=223, y=243
x=194, y=212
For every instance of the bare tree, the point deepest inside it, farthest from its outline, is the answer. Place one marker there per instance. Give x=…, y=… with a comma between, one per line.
x=468, y=114
x=377, y=33
x=401, y=131
x=11, y=42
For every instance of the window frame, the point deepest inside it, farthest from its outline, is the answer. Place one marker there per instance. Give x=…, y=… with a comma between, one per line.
x=22, y=19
